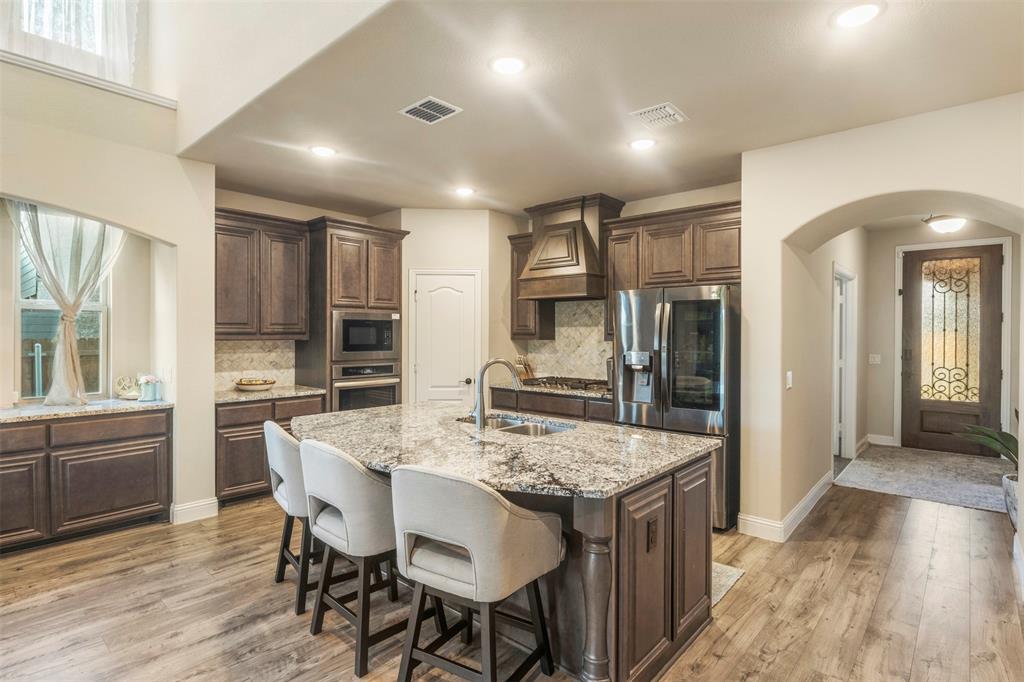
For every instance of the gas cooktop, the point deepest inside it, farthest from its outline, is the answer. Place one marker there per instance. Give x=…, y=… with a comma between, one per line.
x=568, y=383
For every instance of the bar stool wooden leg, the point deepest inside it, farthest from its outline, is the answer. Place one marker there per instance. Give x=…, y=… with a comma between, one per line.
x=412, y=633
x=467, y=632
x=392, y=580
x=540, y=628
x=440, y=621
x=286, y=541
x=326, y=570
x=307, y=546
x=363, y=615
x=488, y=648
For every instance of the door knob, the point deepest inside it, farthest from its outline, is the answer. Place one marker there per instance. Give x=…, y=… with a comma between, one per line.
x=467, y=380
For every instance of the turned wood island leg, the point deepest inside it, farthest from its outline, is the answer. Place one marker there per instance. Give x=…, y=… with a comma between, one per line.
x=594, y=519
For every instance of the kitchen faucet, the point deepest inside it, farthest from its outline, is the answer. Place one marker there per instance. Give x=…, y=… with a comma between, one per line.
x=480, y=408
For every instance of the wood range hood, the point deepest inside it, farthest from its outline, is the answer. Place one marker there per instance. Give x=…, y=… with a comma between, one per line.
x=565, y=262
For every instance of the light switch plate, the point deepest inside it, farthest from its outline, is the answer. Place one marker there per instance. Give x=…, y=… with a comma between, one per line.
x=789, y=379
x=874, y=359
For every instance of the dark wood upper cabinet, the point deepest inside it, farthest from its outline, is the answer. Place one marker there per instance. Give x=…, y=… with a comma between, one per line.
x=237, y=281
x=717, y=250
x=262, y=280
x=622, y=269
x=348, y=271
x=529, y=319
x=284, y=283
x=645, y=580
x=666, y=255
x=384, y=281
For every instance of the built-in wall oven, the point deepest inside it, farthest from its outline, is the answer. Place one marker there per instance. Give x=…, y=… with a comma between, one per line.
x=359, y=385
x=359, y=336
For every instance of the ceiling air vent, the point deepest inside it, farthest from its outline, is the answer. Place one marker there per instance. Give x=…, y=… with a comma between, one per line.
x=430, y=110
x=660, y=116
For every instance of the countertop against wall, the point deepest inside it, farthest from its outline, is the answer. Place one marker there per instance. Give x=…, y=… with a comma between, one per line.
x=232, y=395
x=578, y=393
x=39, y=412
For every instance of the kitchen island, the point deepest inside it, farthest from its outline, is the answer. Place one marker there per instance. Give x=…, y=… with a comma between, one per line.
x=634, y=589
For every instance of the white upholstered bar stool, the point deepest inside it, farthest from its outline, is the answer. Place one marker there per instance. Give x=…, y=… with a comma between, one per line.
x=460, y=540
x=290, y=492
x=350, y=511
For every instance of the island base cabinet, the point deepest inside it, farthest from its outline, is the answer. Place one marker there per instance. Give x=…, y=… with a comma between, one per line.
x=81, y=484
x=24, y=498
x=664, y=570
x=241, y=462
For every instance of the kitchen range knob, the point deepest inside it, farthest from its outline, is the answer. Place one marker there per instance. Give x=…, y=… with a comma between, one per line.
x=467, y=380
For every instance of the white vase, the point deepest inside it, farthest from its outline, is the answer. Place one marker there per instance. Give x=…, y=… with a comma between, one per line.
x=1011, y=491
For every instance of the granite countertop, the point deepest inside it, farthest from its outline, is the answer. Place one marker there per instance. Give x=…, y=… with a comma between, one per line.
x=591, y=460
x=579, y=393
x=232, y=395
x=39, y=412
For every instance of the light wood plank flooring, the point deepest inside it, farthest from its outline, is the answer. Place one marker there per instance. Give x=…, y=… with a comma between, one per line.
x=870, y=587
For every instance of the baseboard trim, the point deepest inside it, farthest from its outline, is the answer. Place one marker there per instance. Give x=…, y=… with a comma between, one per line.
x=877, y=439
x=779, y=531
x=194, y=511
x=1018, y=560
x=862, y=445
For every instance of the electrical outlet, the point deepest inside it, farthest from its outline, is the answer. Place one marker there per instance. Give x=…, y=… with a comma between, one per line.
x=874, y=359
x=789, y=379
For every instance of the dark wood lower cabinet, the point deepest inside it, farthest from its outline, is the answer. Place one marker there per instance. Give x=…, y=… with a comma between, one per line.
x=664, y=574
x=24, y=498
x=65, y=476
x=573, y=407
x=102, y=484
x=241, y=462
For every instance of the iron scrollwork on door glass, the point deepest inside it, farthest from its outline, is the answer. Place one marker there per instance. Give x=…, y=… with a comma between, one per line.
x=951, y=329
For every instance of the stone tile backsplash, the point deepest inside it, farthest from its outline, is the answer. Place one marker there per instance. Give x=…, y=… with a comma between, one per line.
x=265, y=359
x=579, y=348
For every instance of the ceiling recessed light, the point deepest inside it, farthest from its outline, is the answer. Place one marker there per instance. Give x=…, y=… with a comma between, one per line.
x=640, y=145
x=508, y=66
x=857, y=15
x=322, y=151
x=944, y=224
x=464, y=191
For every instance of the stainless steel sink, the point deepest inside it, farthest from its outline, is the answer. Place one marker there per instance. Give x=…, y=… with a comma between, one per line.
x=535, y=428
x=493, y=422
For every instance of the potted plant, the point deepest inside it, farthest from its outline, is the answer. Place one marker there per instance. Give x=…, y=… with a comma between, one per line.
x=1006, y=445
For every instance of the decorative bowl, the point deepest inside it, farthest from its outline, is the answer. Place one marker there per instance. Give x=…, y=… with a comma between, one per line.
x=254, y=384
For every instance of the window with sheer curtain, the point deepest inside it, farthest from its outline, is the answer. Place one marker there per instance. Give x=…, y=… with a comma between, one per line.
x=96, y=37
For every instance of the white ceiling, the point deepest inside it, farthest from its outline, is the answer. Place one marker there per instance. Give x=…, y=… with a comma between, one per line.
x=748, y=74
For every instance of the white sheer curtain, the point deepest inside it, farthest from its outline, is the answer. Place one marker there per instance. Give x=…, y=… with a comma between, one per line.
x=72, y=257
x=96, y=37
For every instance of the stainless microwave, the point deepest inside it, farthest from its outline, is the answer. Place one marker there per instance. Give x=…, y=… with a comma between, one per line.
x=360, y=335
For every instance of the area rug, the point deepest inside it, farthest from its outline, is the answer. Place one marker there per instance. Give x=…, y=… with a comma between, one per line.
x=961, y=480
x=722, y=580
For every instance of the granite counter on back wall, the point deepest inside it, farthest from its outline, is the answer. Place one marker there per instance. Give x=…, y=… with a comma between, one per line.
x=232, y=395
x=39, y=412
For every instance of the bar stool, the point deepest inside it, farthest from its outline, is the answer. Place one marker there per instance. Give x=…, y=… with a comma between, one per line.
x=460, y=540
x=350, y=512
x=289, y=491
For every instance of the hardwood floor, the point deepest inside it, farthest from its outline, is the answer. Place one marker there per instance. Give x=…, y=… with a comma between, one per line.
x=870, y=587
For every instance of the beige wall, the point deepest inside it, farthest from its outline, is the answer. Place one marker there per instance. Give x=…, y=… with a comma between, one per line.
x=455, y=238
x=501, y=225
x=135, y=184
x=881, y=296
x=282, y=209
x=964, y=160
x=130, y=310
x=807, y=280
x=216, y=56
x=696, y=197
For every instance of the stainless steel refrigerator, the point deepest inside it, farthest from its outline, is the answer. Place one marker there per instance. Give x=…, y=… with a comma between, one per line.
x=677, y=367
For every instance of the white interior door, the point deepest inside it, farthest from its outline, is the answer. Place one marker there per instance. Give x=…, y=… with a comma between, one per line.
x=446, y=334
x=838, y=364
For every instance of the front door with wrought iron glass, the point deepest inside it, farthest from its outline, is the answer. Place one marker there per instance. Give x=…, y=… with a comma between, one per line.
x=952, y=338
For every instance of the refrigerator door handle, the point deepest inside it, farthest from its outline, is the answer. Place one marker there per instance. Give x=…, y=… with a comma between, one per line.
x=665, y=354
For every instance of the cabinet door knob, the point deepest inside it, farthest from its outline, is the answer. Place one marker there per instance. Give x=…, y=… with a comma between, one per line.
x=467, y=380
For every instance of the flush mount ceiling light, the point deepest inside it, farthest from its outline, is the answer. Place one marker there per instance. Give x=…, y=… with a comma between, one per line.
x=858, y=15
x=322, y=151
x=641, y=145
x=944, y=224
x=465, y=191
x=508, y=66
